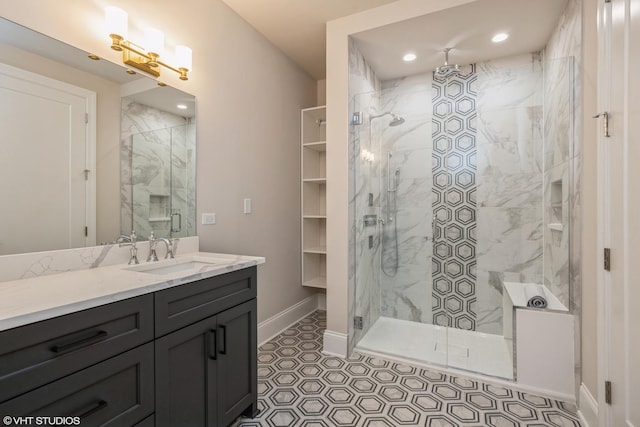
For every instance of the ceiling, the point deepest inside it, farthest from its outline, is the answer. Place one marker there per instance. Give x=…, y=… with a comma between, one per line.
x=297, y=27
x=467, y=29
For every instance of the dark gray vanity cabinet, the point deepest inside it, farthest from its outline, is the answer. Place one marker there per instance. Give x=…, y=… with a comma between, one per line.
x=184, y=356
x=210, y=366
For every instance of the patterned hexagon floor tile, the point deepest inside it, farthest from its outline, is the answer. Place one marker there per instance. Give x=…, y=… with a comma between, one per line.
x=299, y=386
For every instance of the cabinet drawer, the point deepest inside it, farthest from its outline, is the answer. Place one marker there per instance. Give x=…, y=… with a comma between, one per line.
x=42, y=352
x=183, y=305
x=117, y=392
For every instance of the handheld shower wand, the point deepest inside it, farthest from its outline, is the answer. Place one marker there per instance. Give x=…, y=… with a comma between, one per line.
x=392, y=189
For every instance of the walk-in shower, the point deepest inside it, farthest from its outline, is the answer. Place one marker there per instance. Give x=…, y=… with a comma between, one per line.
x=471, y=191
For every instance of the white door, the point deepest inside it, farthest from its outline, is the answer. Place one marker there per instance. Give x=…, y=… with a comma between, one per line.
x=44, y=151
x=619, y=94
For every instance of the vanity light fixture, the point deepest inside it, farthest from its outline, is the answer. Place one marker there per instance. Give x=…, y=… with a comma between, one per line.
x=149, y=59
x=500, y=37
x=181, y=106
x=409, y=57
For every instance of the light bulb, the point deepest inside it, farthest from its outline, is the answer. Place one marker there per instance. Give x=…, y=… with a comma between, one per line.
x=183, y=57
x=154, y=41
x=116, y=21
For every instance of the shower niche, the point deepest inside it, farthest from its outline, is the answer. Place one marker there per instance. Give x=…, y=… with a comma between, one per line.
x=313, y=160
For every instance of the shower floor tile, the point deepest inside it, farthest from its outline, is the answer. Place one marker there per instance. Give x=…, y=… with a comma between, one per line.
x=431, y=344
x=299, y=386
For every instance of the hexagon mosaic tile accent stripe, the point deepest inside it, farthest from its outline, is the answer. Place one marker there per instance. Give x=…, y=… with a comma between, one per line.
x=299, y=386
x=454, y=199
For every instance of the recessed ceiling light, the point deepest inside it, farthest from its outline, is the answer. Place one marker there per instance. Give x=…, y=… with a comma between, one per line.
x=181, y=106
x=409, y=57
x=500, y=37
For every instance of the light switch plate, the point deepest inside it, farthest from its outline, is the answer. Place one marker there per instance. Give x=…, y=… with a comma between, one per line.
x=208, y=218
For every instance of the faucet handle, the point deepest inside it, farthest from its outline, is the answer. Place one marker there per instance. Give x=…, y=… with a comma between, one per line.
x=134, y=255
x=170, y=250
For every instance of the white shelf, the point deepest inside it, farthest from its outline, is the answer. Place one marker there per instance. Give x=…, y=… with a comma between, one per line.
x=316, y=146
x=316, y=282
x=313, y=168
x=316, y=250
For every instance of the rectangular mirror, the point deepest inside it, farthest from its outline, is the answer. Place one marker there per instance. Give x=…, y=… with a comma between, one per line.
x=89, y=150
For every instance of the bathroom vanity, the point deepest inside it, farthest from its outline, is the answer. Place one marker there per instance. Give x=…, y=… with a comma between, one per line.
x=172, y=343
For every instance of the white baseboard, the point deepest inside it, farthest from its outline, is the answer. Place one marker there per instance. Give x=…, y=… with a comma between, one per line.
x=588, y=408
x=334, y=344
x=274, y=325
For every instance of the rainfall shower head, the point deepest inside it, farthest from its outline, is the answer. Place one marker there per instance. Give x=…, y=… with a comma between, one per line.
x=447, y=68
x=396, y=119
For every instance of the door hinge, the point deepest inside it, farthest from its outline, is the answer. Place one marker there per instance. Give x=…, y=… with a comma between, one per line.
x=607, y=392
x=607, y=259
x=86, y=118
x=86, y=174
x=605, y=123
x=358, y=322
x=86, y=231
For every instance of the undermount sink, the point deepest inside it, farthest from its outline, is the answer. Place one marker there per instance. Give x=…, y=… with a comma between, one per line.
x=174, y=265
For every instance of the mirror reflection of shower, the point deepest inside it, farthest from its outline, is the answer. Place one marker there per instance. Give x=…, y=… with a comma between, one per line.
x=389, y=218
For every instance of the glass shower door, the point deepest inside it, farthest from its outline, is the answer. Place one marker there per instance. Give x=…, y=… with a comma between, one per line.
x=163, y=185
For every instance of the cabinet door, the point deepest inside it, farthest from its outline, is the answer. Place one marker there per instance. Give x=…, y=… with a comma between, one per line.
x=237, y=362
x=186, y=376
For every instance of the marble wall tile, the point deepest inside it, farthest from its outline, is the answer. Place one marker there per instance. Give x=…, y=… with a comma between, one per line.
x=510, y=140
x=509, y=179
x=510, y=240
x=408, y=295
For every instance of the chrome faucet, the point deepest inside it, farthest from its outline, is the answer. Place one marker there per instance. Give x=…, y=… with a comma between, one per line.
x=125, y=240
x=169, y=245
x=153, y=244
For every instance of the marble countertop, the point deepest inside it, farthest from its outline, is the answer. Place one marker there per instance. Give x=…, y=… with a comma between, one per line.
x=40, y=298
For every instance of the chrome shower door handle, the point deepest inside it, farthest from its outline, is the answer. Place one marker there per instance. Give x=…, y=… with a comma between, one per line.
x=179, y=228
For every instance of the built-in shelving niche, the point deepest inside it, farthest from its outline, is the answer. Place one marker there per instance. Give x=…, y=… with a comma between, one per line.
x=313, y=159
